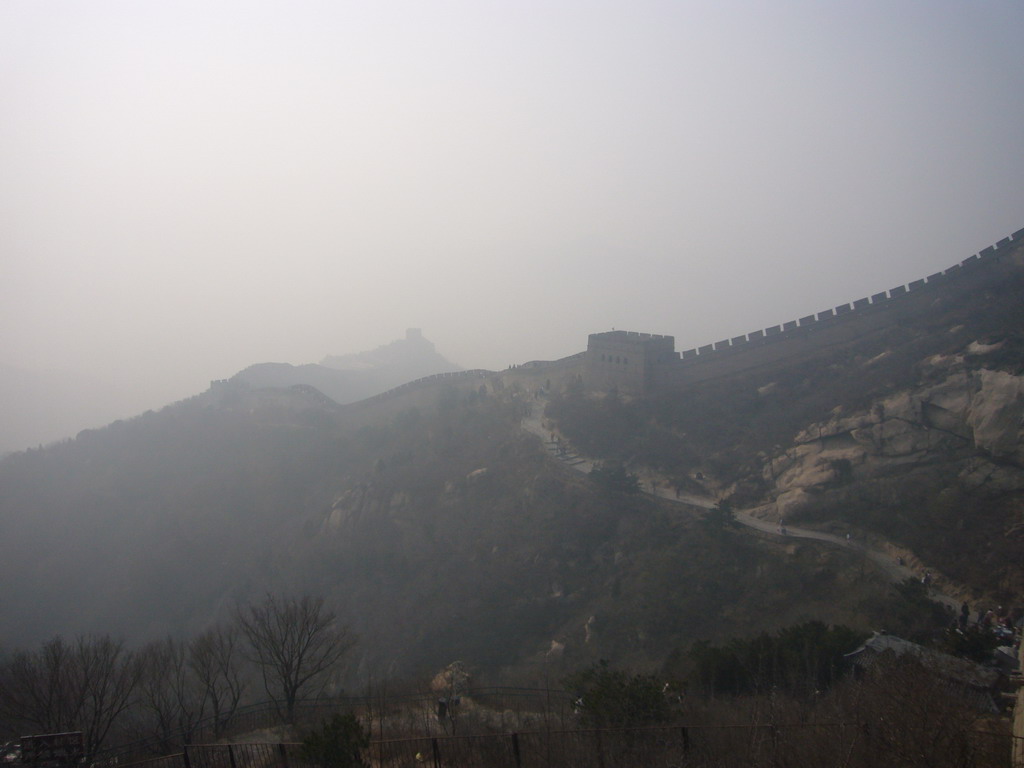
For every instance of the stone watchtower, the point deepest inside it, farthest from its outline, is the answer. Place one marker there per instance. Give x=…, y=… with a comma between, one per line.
x=627, y=361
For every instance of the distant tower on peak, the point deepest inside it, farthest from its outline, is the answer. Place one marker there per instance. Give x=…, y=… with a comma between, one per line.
x=414, y=339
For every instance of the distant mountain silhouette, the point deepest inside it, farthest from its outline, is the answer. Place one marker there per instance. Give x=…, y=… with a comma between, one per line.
x=352, y=377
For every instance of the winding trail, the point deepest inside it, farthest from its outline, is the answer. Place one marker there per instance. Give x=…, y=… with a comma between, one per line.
x=660, y=488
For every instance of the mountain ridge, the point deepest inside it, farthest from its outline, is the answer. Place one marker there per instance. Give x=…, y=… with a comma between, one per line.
x=442, y=530
x=356, y=376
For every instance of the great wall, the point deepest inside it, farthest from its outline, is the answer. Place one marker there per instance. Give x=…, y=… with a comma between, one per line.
x=638, y=363
x=860, y=308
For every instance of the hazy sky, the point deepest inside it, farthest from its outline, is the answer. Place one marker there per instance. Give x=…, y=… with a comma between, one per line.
x=190, y=187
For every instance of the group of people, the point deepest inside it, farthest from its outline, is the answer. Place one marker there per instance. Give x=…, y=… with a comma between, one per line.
x=1000, y=620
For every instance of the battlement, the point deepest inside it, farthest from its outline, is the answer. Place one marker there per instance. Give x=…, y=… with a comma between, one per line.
x=637, y=363
x=858, y=309
x=630, y=336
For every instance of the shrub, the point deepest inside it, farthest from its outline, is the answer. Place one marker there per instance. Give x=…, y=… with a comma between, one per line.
x=339, y=743
x=612, y=698
x=614, y=478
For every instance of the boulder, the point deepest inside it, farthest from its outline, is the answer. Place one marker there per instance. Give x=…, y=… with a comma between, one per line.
x=995, y=414
x=982, y=409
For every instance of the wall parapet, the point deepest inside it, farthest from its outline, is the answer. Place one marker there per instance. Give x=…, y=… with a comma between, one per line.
x=629, y=336
x=425, y=381
x=559, y=363
x=475, y=373
x=878, y=302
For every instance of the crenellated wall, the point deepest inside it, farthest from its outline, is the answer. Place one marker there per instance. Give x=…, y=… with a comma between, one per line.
x=475, y=376
x=846, y=322
x=635, y=363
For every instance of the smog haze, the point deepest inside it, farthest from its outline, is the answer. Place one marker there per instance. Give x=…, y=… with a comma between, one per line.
x=190, y=188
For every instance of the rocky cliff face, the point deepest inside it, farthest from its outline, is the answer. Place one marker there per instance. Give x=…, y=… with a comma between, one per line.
x=959, y=413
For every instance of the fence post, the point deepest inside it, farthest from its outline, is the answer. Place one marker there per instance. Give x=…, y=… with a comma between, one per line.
x=437, y=752
x=231, y=756
x=686, y=739
x=184, y=756
x=284, y=755
x=515, y=750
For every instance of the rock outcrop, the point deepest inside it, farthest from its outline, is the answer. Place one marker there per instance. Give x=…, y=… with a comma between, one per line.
x=968, y=413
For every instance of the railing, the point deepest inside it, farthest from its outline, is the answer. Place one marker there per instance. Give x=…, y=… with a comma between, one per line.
x=851, y=744
x=551, y=704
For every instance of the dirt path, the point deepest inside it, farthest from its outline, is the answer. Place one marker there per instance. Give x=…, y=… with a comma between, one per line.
x=560, y=449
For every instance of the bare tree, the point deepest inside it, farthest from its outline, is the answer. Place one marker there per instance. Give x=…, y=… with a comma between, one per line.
x=911, y=716
x=215, y=658
x=170, y=698
x=37, y=687
x=296, y=643
x=81, y=686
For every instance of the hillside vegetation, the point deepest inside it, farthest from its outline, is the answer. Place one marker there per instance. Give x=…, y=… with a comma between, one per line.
x=442, y=532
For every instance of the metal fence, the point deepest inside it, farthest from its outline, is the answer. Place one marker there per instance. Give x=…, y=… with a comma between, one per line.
x=510, y=709
x=536, y=728
x=654, y=747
